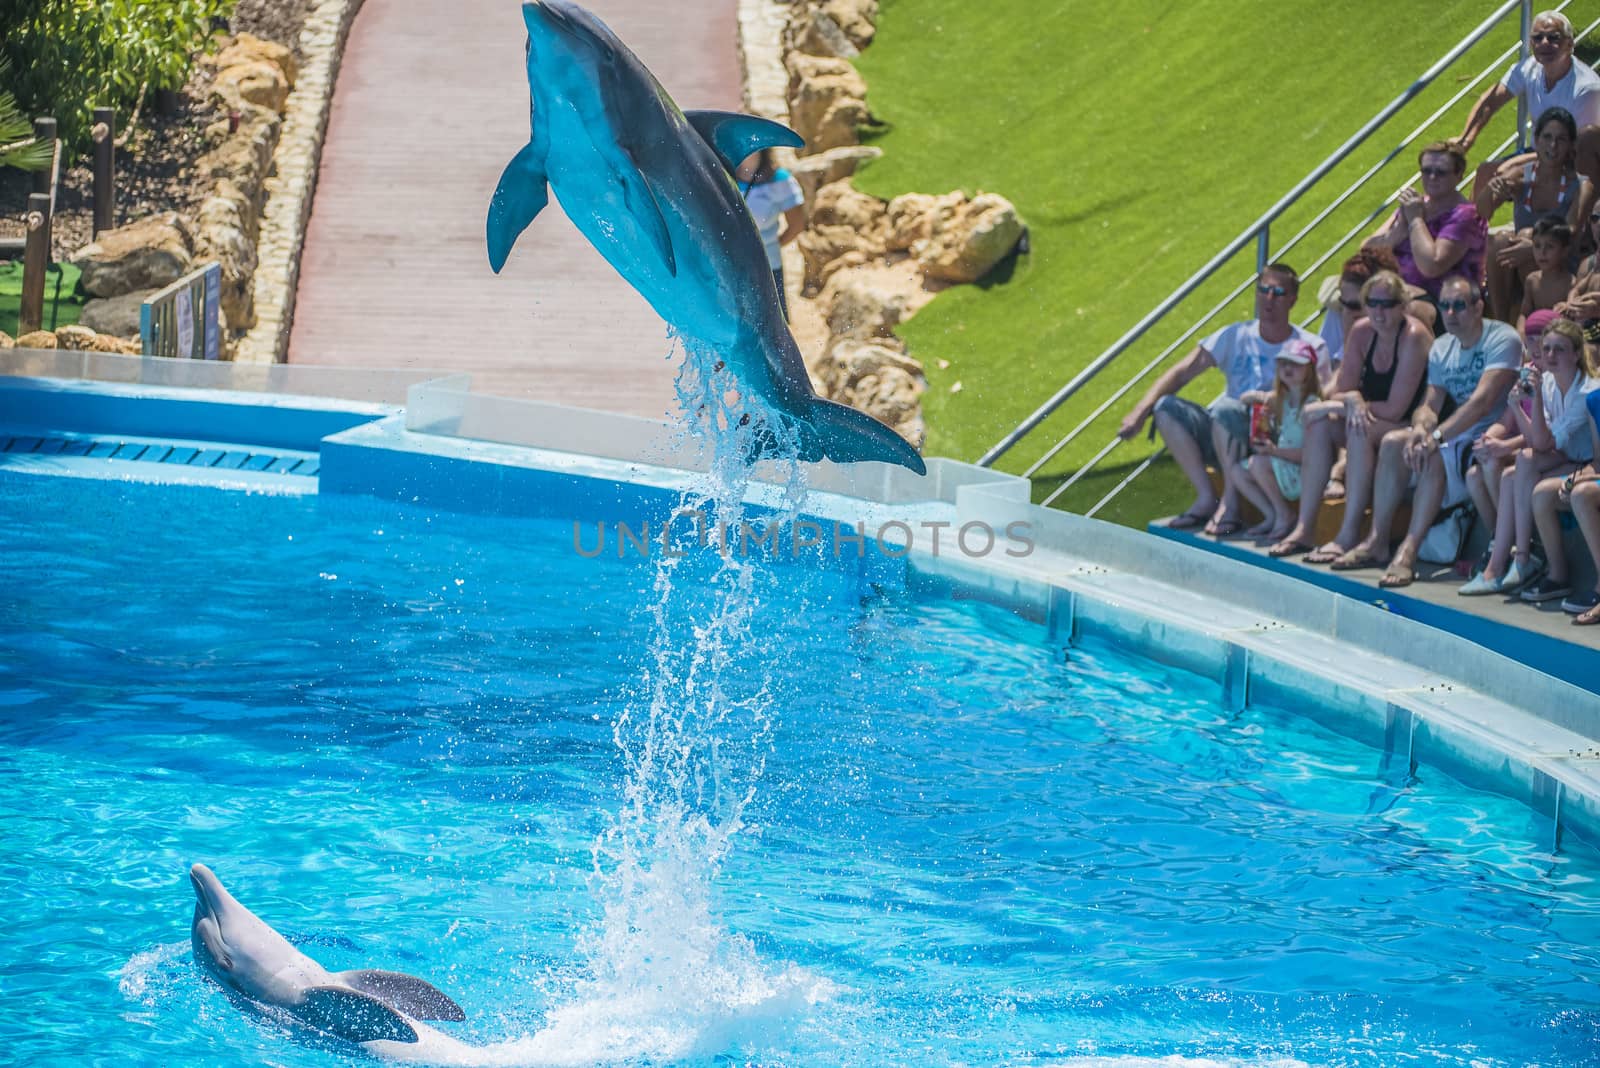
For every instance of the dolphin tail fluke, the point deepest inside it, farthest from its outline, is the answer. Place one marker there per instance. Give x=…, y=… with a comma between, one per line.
x=522, y=194
x=415, y=997
x=353, y=1016
x=845, y=435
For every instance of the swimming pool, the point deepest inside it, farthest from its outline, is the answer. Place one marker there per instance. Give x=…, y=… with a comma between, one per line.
x=390, y=730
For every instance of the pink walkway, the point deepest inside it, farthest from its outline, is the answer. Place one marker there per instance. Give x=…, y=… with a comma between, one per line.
x=430, y=104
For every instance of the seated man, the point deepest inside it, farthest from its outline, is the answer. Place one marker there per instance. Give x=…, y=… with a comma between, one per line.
x=1548, y=78
x=1246, y=353
x=1470, y=372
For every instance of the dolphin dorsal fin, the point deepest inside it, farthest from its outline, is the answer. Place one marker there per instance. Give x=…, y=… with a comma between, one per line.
x=353, y=1016
x=735, y=136
x=415, y=997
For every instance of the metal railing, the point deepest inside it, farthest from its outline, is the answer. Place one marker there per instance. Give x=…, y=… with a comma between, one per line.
x=1259, y=232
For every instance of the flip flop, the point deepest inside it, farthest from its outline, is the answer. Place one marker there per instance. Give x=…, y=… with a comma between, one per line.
x=1356, y=560
x=1289, y=548
x=1228, y=528
x=1397, y=576
x=1325, y=554
x=1333, y=491
x=1187, y=521
x=1588, y=617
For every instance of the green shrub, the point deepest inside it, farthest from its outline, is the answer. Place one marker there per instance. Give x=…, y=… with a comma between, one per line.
x=71, y=56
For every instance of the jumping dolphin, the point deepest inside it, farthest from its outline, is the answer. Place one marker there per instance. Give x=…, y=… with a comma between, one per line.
x=650, y=187
x=378, y=1009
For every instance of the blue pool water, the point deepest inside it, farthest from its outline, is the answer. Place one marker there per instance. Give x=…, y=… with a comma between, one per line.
x=404, y=740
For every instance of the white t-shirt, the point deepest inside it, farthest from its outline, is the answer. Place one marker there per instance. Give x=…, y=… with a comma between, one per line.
x=1567, y=415
x=1247, y=361
x=1457, y=372
x=1578, y=91
x=768, y=201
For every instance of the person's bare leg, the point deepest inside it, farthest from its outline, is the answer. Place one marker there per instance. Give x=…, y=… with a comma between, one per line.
x=1478, y=489
x=1185, y=450
x=1316, y=463
x=1280, y=513
x=1504, y=532
x=1586, y=510
x=1236, y=480
x=1588, y=153
x=1361, y=456
x=1499, y=290
x=1547, y=520
x=1425, y=503
x=1391, y=480
x=1530, y=467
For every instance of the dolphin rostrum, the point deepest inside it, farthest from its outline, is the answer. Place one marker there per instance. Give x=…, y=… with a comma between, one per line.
x=649, y=186
x=378, y=1009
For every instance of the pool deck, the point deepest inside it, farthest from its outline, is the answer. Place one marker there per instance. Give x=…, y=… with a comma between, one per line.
x=1541, y=636
x=430, y=104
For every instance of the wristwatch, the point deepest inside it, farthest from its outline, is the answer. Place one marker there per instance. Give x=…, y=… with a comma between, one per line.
x=1438, y=438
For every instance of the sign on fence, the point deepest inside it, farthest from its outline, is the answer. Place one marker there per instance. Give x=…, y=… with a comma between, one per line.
x=183, y=319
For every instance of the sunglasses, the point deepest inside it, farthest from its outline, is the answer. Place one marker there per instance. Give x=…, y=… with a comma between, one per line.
x=1436, y=172
x=1272, y=291
x=1456, y=305
x=1547, y=38
x=1351, y=305
x=1382, y=302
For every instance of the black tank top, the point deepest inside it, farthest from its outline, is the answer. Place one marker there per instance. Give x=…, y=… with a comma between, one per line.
x=1376, y=384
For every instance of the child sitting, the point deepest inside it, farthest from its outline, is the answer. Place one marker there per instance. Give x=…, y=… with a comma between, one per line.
x=1495, y=450
x=1556, y=433
x=1579, y=493
x=1276, y=443
x=1551, y=283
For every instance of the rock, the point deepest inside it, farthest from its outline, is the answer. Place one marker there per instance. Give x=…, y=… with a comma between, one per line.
x=846, y=228
x=967, y=245
x=248, y=48
x=913, y=217
x=834, y=165
x=827, y=101
x=858, y=19
x=38, y=339
x=245, y=157
x=223, y=235
x=82, y=339
x=878, y=379
x=115, y=315
x=815, y=33
x=153, y=252
x=7, y=341
x=255, y=82
x=856, y=306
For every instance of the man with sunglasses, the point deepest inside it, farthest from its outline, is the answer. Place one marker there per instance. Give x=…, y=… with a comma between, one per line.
x=1246, y=354
x=1470, y=373
x=1548, y=78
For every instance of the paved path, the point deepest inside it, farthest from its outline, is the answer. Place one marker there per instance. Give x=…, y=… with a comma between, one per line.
x=431, y=103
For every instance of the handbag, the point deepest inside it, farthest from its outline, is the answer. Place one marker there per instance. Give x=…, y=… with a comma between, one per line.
x=1448, y=535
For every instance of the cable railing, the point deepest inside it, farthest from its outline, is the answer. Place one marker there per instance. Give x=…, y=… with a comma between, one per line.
x=1259, y=232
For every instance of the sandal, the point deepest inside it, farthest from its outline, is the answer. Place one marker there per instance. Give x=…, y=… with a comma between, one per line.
x=1397, y=576
x=1187, y=521
x=1289, y=548
x=1325, y=554
x=1588, y=617
x=1228, y=528
x=1356, y=560
x=1333, y=491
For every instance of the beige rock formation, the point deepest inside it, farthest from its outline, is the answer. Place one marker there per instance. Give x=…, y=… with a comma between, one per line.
x=812, y=31
x=223, y=234
x=7, y=341
x=152, y=252
x=966, y=245
x=81, y=338
x=827, y=101
x=117, y=315
x=846, y=228
x=38, y=339
x=834, y=165
x=255, y=82
x=245, y=156
x=857, y=18
x=248, y=48
x=879, y=379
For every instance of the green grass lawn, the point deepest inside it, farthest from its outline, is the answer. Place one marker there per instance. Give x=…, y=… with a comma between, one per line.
x=1135, y=139
x=65, y=310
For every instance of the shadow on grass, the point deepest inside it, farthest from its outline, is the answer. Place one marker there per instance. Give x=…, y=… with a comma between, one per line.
x=1158, y=492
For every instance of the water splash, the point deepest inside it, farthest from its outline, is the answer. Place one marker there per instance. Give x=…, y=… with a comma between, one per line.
x=665, y=978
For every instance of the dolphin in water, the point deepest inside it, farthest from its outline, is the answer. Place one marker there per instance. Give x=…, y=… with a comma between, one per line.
x=380, y=1010
x=650, y=187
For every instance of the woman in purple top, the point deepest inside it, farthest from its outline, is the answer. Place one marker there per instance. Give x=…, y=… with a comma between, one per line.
x=1437, y=232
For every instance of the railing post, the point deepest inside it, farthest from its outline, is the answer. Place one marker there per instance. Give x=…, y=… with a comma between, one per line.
x=44, y=130
x=105, y=163
x=1522, y=55
x=35, y=261
x=1263, y=248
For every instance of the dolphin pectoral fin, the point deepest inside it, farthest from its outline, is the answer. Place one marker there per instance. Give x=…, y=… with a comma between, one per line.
x=522, y=194
x=736, y=136
x=415, y=997
x=846, y=435
x=353, y=1016
x=645, y=210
